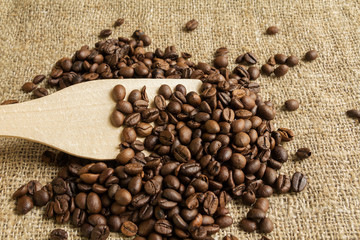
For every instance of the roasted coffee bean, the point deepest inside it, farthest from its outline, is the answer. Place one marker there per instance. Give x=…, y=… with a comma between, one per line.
x=262, y=204
x=41, y=198
x=21, y=191
x=129, y=229
x=163, y=227
x=254, y=73
x=124, y=107
x=100, y=232
x=191, y=25
x=298, y=182
x=58, y=234
x=182, y=154
x=125, y=155
x=78, y=217
x=255, y=214
x=270, y=176
x=266, y=225
x=281, y=70
x=7, y=102
x=119, y=92
x=165, y=91
x=128, y=135
x=160, y=102
x=28, y=87
x=279, y=154
x=59, y=185
x=86, y=230
x=248, y=197
x=250, y=58
x=38, y=79
x=230, y=237
x=224, y=221
x=24, y=204
x=311, y=55
x=292, y=61
x=119, y=22
x=123, y=197
x=303, y=153
x=283, y=184
x=292, y=104
x=280, y=58
x=266, y=112
x=40, y=92
x=265, y=191
x=267, y=69
x=221, y=61
x=353, y=113
x=248, y=225
x=93, y=203
x=105, y=33
x=272, y=30
x=286, y=134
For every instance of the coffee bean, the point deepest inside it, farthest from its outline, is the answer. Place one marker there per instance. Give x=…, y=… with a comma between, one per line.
x=40, y=92
x=128, y=135
x=129, y=229
x=281, y=70
x=123, y=197
x=119, y=92
x=38, y=79
x=311, y=55
x=211, y=203
x=119, y=22
x=93, y=203
x=100, y=232
x=267, y=69
x=353, y=113
x=262, y=204
x=292, y=104
x=230, y=237
x=292, y=61
x=303, y=153
x=272, y=30
x=105, y=33
x=58, y=234
x=182, y=153
x=221, y=61
x=265, y=191
x=165, y=91
x=41, y=198
x=255, y=214
x=250, y=58
x=266, y=225
x=163, y=227
x=21, y=191
x=280, y=58
x=270, y=176
x=224, y=221
x=283, y=184
x=298, y=182
x=286, y=134
x=254, y=73
x=266, y=112
x=248, y=197
x=24, y=204
x=191, y=25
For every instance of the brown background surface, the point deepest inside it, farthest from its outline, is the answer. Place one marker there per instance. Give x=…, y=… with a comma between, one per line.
x=35, y=34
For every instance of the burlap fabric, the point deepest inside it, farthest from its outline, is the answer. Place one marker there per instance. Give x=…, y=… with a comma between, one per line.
x=35, y=34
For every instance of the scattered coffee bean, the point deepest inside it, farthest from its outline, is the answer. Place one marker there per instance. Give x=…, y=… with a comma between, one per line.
x=280, y=58
x=250, y=58
x=298, y=182
x=38, y=79
x=248, y=225
x=281, y=70
x=28, y=87
x=267, y=69
x=266, y=225
x=119, y=22
x=303, y=153
x=254, y=73
x=24, y=204
x=292, y=104
x=353, y=113
x=292, y=61
x=272, y=30
x=105, y=33
x=191, y=25
x=311, y=55
x=58, y=234
x=7, y=102
x=40, y=92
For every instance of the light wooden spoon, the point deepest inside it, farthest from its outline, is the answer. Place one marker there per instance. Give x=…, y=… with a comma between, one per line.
x=76, y=120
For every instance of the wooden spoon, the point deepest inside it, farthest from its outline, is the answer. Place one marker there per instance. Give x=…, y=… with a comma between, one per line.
x=76, y=120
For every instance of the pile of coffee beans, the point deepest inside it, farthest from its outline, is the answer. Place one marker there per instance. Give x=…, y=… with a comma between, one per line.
x=204, y=148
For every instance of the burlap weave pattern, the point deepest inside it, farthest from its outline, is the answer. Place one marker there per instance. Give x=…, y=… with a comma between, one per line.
x=35, y=34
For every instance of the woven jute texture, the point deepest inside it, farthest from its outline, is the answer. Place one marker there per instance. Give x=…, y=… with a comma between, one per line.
x=35, y=34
